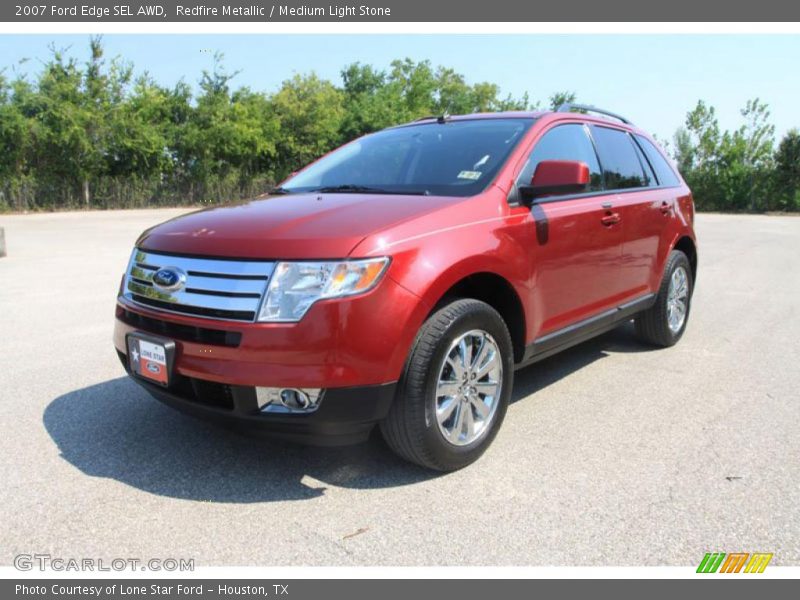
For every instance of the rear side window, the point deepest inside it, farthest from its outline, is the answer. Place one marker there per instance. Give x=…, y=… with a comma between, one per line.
x=664, y=172
x=621, y=165
x=564, y=142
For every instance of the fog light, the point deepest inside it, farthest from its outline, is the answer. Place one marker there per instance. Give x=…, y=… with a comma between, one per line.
x=288, y=400
x=295, y=399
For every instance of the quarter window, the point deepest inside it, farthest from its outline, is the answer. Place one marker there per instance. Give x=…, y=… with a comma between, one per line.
x=649, y=175
x=621, y=165
x=564, y=142
x=664, y=172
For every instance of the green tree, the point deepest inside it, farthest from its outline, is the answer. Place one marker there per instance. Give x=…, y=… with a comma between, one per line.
x=787, y=171
x=64, y=151
x=368, y=103
x=104, y=89
x=13, y=132
x=702, y=127
x=559, y=98
x=727, y=170
x=484, y=97
x=230, y=135
x=698, y=155
x=415, y=85
x=451, y=94
x=757, y=138
x=684, y=152
x=90, y=133
x=376, y=99
x=311, y=114
x=521, y=103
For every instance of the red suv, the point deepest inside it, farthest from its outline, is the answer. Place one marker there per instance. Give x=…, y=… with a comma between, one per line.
x=400, y=280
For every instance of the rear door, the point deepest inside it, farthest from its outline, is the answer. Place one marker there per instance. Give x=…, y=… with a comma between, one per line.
x=658, y=208
x=643, y=206
x=576, y=240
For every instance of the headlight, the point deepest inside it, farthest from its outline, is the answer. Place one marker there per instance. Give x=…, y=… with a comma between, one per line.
x=295, y=286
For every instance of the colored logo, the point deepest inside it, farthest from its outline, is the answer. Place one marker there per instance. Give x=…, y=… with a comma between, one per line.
x=737, y=562
x=169, y=279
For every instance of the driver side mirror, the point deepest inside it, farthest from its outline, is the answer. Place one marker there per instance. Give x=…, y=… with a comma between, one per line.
x=556, y=178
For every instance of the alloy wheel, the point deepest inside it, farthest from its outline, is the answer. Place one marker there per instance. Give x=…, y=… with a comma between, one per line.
x=468, y=387
x=677, y=299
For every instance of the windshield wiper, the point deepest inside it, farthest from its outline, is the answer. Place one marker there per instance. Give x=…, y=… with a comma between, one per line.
x=364, y=189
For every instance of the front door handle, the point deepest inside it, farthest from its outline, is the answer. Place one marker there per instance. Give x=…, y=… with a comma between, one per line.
x=610, y=219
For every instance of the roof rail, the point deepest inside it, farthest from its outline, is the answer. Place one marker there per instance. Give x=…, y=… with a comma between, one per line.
x=569, y=107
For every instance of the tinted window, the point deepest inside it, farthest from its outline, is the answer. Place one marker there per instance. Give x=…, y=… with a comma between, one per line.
x=664, y=172
x=649, y=175
x=621, y=165
x=565, y=142
x=457, y=158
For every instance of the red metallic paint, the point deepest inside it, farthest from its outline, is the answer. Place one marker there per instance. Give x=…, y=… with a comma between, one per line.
x=563, y=262
x=303, y=226
x=553, y=173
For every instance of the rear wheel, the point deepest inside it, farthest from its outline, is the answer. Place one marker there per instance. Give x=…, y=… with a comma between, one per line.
x=663, y=324
x=455, y=390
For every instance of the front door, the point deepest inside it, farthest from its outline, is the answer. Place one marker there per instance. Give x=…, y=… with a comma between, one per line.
x=576, y=240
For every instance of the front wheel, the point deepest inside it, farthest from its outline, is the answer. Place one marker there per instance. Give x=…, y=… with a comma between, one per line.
x=455, y=389
x=663, y=324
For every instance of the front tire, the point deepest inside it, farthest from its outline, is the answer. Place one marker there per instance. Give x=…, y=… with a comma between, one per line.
x=455, y=389
x=663, y=324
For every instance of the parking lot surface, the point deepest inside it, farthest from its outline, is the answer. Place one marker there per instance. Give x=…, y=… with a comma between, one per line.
x=612, y=453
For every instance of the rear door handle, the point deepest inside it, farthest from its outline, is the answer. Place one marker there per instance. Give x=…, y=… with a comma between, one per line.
x=665, y=207
x=610, y=219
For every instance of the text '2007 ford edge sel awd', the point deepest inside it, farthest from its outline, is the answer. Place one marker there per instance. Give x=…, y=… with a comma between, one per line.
x=400, y=280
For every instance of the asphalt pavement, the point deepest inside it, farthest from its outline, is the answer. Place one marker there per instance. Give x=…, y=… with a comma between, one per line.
x=612, y=453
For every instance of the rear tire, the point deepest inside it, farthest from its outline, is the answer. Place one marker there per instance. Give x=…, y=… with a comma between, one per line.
x=455, y=389
x=663, y=324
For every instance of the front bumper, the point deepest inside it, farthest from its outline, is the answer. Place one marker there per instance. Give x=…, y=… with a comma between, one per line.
x=352, y=348
x=350, y=342
x=345, y=415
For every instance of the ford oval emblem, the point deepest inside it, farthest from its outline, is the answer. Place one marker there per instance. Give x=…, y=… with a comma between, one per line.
x=169, y=279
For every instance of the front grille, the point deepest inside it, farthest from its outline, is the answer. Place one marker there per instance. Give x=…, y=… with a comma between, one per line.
x=177, y=331
x=213, y=288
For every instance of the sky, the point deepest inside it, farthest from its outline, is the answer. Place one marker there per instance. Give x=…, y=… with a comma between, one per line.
x=654, y=80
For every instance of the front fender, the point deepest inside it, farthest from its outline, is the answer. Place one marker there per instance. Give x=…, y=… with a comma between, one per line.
x=430, y=265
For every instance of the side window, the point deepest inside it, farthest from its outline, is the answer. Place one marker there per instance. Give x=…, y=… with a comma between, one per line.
x=664, y=172
x=564, y=142
x=621, y=165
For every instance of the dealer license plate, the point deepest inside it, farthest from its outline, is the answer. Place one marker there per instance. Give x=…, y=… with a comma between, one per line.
x=150, y=358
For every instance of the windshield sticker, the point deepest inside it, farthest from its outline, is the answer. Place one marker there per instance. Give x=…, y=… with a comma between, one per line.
x=473, y=175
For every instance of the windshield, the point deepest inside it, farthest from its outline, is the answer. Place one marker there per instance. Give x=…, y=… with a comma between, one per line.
x=455, y=158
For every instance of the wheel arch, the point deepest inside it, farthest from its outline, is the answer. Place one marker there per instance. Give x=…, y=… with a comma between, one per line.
x=496, y=291
x=687, y=245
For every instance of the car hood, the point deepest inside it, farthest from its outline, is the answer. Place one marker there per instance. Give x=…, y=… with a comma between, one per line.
x=296, y=226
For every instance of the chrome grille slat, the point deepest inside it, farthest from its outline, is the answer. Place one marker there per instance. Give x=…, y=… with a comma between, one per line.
x=206, y=265
x=192, y=299
x=211, y=284
x=214, y=288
